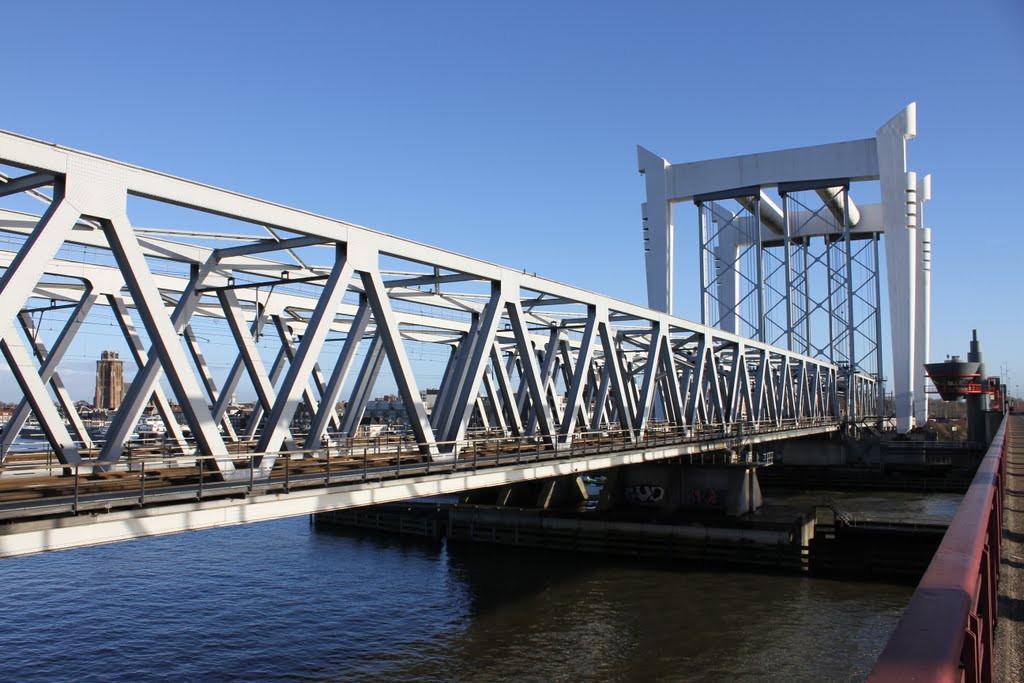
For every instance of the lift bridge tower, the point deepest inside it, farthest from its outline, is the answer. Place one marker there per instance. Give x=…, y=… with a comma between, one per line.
x=788, y=258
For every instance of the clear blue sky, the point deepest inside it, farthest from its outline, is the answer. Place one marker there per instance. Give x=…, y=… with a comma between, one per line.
x=507, y=131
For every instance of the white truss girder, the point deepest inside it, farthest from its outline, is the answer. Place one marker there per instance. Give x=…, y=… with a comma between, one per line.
x=528, y=356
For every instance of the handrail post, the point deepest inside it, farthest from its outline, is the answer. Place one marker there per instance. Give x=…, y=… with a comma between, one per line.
x=252, y=466
x=201, y=465
x=142, y=484
x=74, y=503
x=287, y=472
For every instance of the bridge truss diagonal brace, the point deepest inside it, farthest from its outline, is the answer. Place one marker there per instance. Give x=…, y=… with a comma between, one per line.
x=497, y=405
x=34, y=388
x=454, y=375
x=359, y=397
x=48, y=369
x=235, y=374
x=280, y=416
x=250, y=355
x=740, y=400
x=131, y=336
x=674, y=396
x=508, y=394
x=613, y=363
x=579, y=378
x=599, y=418
x=142, y=388
x=650, y=378
x=531, y=370
x=547, y=372
x=67, y=405
x=338, y=376
x=209, y=384
x=164, y=335
x=277, y=368
x=568, y=372
x=28, y=266
x=468, y=393
x=316, y=376
x=387, y=327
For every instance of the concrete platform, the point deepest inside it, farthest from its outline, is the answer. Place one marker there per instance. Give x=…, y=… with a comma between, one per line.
x=1009, y=647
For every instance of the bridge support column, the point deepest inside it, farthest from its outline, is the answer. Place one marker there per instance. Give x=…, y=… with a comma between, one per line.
x=673, y=488
x=544, y=494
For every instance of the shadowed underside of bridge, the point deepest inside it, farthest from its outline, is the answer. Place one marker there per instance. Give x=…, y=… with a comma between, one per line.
x=312, y=314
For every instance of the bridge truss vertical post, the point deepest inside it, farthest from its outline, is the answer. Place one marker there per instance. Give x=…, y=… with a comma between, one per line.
x=851, y=323
x=879, y=370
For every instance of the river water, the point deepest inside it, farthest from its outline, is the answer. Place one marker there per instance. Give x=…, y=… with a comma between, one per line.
x=285, y=601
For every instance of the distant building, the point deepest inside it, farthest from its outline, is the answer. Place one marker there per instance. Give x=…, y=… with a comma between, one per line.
x=109, y=381
x=387, y=410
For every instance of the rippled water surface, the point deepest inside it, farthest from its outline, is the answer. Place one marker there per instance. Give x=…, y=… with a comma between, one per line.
x=283, y=601
x=927, y=508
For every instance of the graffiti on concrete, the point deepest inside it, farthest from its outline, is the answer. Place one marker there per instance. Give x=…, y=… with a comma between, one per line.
x=707, y=497
x=644, y=494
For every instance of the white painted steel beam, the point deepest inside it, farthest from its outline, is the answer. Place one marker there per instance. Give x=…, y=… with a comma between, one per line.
x=120, y=311
x=387, y=327
x=163, y=335
x=287, y=401
x=48, y=368
x=34, y=390
x=67, y=406
x=339, y=375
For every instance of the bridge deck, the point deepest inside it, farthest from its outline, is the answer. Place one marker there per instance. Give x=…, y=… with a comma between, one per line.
x=38, y=514
x=1009, y=648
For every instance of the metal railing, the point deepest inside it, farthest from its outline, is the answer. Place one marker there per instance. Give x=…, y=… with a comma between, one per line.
x=137, y=480
x=947, y=631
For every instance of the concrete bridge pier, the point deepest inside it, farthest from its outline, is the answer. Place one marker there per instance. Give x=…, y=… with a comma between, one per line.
x=672, y=488
x=543, y=494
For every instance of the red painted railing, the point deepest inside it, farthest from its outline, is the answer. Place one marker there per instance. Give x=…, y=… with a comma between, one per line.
x=946, y=632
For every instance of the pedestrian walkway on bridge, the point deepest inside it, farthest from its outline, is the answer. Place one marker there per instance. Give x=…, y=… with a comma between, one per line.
x=1009, y=648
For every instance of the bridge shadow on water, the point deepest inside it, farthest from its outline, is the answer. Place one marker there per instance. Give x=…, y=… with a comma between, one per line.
x=535, y=614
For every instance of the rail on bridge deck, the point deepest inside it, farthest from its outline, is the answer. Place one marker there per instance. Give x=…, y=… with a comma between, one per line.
x=947, y=631
x=330, y=301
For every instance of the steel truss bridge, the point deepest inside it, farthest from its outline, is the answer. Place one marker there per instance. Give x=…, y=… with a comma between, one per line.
x=540, y=378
